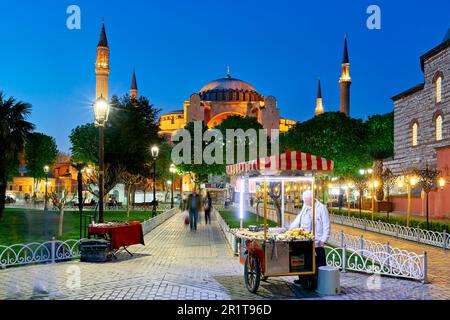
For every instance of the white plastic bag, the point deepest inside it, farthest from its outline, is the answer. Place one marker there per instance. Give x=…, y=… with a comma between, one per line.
x=185, y=216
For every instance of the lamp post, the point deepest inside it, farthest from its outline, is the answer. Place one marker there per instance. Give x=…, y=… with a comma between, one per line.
x=46, y=170
x=172, y=170
x=101, y=112
x=155, y=152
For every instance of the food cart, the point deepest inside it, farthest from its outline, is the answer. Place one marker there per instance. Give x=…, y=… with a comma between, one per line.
x=273, y=252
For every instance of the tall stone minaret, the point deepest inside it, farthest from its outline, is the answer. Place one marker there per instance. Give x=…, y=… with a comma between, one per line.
x=345, y=81
x=319, y=105
x=102, y=66
x=133, y=88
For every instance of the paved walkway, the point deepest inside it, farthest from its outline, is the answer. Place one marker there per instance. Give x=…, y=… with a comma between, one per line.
x=179, y=264
x=438, y=258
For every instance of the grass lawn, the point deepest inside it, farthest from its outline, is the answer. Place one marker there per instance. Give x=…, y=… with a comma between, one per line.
x=24, y=226
x=232, y=219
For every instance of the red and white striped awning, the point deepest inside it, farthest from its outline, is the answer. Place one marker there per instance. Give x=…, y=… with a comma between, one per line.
x=290, y=161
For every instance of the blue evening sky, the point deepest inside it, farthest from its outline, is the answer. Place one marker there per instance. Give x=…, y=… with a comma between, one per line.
x=280, y=47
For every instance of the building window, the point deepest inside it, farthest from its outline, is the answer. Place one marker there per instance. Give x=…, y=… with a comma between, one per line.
x=415, y=129
x=20, y=188
x=438, y=89
x=439, y=128
x=10, y=188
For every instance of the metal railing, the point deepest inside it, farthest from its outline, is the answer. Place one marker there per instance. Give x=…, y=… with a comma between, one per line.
x=434, y=238
x=49, y=251
x=362, y=255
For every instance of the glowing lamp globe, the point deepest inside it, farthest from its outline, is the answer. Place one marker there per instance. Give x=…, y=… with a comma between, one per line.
x=101, y=111
x=155, y=152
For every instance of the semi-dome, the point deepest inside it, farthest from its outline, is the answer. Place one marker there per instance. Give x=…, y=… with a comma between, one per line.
x=229, y=89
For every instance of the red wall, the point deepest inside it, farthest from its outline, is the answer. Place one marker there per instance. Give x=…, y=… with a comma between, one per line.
x=438, y=201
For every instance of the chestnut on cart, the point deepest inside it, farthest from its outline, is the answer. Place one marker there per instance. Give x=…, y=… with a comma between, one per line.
x=275, y=252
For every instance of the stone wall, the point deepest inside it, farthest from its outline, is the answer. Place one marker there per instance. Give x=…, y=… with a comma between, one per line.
x=420, y=106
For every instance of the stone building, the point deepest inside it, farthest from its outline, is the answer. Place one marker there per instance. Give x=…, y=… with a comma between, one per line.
x=221, y=98
x=421, y=127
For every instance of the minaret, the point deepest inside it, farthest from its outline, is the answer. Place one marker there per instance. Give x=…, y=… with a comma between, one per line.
x=133, y=88
x=345, y=81
x=102, y=66
x=319, y=105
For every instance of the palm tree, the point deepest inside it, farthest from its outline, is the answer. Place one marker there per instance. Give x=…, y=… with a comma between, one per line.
x=13, y=131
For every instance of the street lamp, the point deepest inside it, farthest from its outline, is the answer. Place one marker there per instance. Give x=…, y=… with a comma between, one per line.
x=46, y=170
x=172, y=170
x=155, y=152
x=441, y=183
x=101, y=112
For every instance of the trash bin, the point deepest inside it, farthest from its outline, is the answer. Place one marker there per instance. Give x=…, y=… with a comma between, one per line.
x=95, y=250
x=329, y=281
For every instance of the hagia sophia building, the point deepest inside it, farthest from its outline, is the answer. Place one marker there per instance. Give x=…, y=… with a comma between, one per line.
x=221, y=98
x=213, y=103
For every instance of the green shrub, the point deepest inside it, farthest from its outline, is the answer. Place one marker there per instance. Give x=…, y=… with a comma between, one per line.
x=421, y=223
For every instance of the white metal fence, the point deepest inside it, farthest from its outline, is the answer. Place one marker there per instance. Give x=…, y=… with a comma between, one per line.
x=362, y=255
x=49, y=251
x=434, y=238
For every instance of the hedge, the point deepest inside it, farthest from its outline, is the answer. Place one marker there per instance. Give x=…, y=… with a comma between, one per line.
x=414, y=222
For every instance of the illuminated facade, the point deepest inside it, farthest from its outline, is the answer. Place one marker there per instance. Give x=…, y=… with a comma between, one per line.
x=221, y=98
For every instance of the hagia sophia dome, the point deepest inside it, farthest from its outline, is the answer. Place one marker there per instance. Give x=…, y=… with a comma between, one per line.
x=229, y=89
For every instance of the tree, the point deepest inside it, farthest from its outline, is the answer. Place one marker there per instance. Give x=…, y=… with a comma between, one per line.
x=389, y=180
x=59, y=200
x=361, y=185
x=427, y=181
x=129, y=133
x=244, y=123
x=334, y=136
x=40, y=151
x=84, y=149
x=199, y=172
x=380, y=144
x=13, y=131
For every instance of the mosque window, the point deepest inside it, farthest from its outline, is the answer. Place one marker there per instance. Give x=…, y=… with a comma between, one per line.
x=439, y=128
x=415, y=129
x=438, y=89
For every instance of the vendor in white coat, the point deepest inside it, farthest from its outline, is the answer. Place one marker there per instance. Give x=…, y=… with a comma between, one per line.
x=322, y=228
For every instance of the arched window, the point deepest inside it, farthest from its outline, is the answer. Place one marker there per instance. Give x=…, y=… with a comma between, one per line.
x=439, y=128
x=415, y=129
x=438, y=89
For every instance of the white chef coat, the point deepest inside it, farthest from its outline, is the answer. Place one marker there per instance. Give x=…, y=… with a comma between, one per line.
x=304, y=221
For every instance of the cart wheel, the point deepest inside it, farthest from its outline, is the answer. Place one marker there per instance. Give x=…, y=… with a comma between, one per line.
x=252, y=273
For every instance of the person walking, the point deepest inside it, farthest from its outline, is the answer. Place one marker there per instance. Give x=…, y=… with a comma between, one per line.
x=208, y=207
x=194, y=203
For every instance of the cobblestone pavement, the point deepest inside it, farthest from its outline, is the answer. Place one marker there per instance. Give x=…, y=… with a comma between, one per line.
x=438, y=258
x=178, y=264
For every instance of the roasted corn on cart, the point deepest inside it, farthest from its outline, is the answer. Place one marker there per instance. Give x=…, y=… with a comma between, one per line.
x=273, y=252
